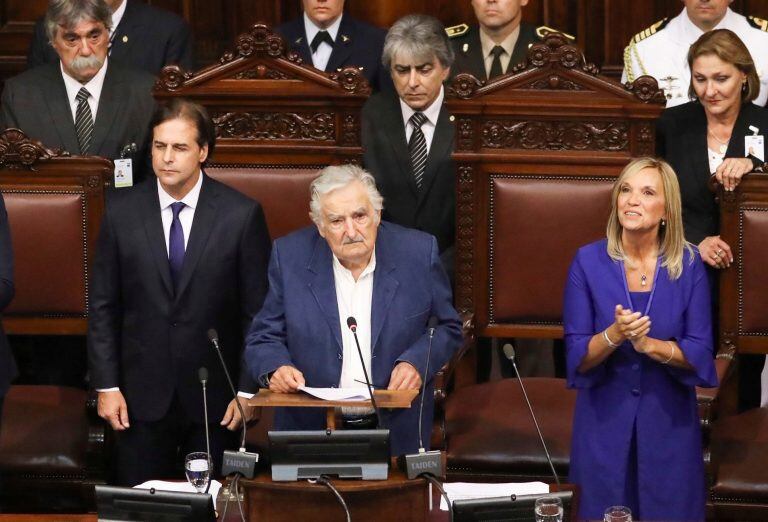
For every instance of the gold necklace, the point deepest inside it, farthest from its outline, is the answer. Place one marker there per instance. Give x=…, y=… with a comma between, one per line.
x=723, y=144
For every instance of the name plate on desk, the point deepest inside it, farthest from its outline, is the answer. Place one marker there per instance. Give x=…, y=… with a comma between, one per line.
x=297, y=455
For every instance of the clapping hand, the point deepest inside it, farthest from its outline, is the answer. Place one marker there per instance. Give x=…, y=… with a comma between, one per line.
x=632, y=325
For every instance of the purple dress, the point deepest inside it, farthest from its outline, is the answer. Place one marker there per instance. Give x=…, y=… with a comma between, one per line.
x=636, y=435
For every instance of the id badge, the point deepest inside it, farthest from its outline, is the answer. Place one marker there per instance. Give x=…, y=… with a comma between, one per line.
x=123, y=173
x=755, y=146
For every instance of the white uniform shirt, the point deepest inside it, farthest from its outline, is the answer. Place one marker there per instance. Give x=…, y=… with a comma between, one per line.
x=321, y=57
x=664, y=54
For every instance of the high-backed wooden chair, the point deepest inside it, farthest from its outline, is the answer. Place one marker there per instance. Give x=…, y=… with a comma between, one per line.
x=537, y=153
x=52, y=448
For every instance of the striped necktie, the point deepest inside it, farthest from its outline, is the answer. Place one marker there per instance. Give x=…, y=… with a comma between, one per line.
x=83, y=121
x=417, y=148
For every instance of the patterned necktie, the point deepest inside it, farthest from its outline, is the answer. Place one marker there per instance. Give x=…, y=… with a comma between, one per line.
x=176, y=244
x=83, y=121
x=496, y=63
x=417, y=147
x=319, y=38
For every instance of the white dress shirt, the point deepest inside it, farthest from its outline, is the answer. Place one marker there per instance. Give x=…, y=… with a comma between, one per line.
x=432, y=113
x=117, y=15
x=93, y=86
x=186, y=215
x=508, y=45
x=323, y=54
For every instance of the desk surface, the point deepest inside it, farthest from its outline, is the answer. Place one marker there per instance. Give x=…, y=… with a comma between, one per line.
x=384, y=399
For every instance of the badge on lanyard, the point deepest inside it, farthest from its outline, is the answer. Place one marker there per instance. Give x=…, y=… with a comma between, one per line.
x=124, y=167
x=754, y=145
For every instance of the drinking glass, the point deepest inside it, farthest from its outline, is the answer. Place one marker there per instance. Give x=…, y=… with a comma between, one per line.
x=549, y=509
x=617, y=514
x=197, y=466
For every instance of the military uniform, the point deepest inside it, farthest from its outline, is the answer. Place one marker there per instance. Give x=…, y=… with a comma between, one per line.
x=661, y=51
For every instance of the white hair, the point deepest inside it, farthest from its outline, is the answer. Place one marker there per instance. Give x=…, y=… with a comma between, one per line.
x=336, y=177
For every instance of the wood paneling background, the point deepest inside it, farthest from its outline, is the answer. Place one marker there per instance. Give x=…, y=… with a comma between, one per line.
x=602, y=27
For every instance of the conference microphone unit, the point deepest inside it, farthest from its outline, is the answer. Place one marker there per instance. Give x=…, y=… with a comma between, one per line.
x=352, y=324
x=429, y=462
x=509, y=353
x=202, y=375
x=241, y=461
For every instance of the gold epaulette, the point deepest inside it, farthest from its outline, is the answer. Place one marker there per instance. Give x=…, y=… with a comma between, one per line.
x=456, y=30
x=645, y=33
x=542, y=31
x=758, y=23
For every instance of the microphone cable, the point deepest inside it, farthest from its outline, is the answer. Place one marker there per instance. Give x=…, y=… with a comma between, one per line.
x=233, y=485
x=433, y=480
x=325, y=481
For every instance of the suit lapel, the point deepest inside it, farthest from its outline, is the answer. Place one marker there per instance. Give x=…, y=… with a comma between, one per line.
x=442, y=143
x=109, y=105
x=321, y=283
x=384, y=286
x=736, y=147
x=525, y=38
x=394, y=132
x=55, y=94
x=153, y=227
x=202, y=224
x=297, y=39
x=474, y=54
x=123, y=39
x=696, y=141
x=342, y=47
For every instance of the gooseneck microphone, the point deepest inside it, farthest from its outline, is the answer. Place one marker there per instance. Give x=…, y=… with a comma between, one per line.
x=352, y=324
x=509, y=353
x=241, y=461
x=202, y=375
x=432, y=325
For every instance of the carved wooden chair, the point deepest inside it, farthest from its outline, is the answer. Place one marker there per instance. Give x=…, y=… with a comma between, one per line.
x=52, y=444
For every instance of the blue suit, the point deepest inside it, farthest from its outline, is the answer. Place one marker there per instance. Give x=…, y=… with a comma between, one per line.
x=299, y=322
x=357, y=44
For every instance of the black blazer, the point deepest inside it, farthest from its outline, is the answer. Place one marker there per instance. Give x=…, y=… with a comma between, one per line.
x=150, y=341
x=7, y=364
x=148, y=38
x=357, y=44
x=681, y=139
x=469, y=51
x=431, y=209
x=36, y=102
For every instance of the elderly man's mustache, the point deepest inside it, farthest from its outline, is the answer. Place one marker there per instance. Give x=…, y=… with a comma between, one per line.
x=81, y=63
x=351, y=240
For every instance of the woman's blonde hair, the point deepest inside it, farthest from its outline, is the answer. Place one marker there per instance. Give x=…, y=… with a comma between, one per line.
x=672, y=243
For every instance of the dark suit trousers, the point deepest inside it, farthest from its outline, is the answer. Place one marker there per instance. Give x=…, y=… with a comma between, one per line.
x=156, y=450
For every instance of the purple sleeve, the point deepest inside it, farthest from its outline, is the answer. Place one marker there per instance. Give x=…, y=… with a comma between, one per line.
x=579, y=328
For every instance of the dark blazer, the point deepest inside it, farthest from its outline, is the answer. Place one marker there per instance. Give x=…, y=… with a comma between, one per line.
x=357, y=44
x=36, y=102
x=7, y=364
x=150, y=341
x=299, y=323
x=431, y=209
x=148, y=38
x=469, y=51
x=681, y=139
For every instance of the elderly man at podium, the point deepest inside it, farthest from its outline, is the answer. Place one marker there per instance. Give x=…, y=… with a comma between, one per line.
x=353, y=265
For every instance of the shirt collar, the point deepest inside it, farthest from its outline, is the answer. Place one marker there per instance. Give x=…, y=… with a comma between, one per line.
x=432, y=112
x=508, y=44
x=339, y=268
x=311, y=29
x=117, y=16
x=190, y=200
x=93, y=85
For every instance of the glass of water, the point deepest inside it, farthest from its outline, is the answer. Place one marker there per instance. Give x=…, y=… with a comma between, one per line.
x=549, y=509
x=617, y=514
x=197, y=466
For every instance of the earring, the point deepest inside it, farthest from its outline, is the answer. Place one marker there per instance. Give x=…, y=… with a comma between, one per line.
x=744, y=86
x=663, y=222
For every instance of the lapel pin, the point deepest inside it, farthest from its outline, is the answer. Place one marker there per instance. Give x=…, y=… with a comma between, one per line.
x=452, y=118
x=465, y=47
x=299, y=39
x=125, y=38
x=344, y=38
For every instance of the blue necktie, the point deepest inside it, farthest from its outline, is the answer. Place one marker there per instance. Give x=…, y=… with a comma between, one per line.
x=176, y=244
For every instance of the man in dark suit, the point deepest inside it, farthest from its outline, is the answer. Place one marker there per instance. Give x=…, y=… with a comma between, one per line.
x=351, y=264
x=328, y=39
x=174, y=258
x=7, y=364
x=498, y=43
x=83, y=103
x=408, y=137
x=142, y=37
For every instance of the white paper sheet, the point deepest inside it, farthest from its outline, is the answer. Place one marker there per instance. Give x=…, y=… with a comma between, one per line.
x=184, y=487
x=469, y=490
x=338, y=394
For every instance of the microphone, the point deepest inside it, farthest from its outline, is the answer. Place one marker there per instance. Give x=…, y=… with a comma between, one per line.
x=352, y=324
x=202, y=375
x=509, y=353
x=425, y=462
x=240, y=461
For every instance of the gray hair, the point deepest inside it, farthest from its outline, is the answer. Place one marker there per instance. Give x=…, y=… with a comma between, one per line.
x=420, y=37
x=69, y=13
x=336, y=177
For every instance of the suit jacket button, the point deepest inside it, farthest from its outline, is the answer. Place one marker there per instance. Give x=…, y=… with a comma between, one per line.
x=635, y=392
x=174, y=325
